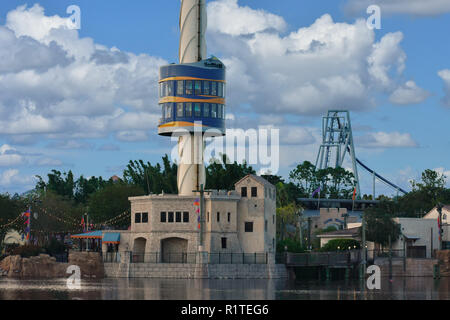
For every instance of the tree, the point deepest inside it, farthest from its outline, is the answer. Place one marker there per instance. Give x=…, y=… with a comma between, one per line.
x=10, y=208
x=153, y=179
x=286, y=215
x=112, y=201
x=380, y=224
x=222, y=175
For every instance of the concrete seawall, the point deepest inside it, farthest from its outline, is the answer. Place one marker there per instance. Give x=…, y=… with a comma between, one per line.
x=195, y=271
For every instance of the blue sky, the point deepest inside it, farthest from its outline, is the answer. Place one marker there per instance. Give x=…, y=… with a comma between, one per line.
x=64, y=109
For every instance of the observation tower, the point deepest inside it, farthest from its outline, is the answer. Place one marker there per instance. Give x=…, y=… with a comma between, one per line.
x=192, y=97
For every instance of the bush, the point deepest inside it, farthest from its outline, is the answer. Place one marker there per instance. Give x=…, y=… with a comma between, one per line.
x=292, y=246
x=340, y=245
x=27, y=251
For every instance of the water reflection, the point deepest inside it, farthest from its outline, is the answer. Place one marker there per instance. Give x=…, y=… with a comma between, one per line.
x=203, y=289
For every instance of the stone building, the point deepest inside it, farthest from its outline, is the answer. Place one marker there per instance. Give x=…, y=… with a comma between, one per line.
x=167, y=228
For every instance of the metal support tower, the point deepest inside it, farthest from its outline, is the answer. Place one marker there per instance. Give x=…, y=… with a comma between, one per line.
x=337, y=142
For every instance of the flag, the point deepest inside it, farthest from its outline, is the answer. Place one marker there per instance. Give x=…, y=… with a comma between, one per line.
x=315, y=192
x=196, y=203
x=354, y=194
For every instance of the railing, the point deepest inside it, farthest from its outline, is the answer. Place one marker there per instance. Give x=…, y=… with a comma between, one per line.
x=319, y=258
x=238, y=258
x=192, y=258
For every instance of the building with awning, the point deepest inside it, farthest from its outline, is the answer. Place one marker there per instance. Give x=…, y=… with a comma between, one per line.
x=111, y=238
x=88, y=235
x=94, y=240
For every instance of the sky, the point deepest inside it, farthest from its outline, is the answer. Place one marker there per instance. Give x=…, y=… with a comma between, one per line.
x=86, y=100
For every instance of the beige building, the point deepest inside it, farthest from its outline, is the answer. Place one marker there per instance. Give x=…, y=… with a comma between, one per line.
x=433, y=215
x=167, y=227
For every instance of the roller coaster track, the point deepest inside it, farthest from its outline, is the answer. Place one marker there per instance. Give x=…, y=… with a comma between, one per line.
x=345, y=129
x=380, y=177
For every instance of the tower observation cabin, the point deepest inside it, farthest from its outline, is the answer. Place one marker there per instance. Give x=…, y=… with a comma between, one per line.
x=192, y=94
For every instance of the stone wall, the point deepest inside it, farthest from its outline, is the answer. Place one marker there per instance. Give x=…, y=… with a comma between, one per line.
x=444, y=260
x=195, y=271
x=414, y=267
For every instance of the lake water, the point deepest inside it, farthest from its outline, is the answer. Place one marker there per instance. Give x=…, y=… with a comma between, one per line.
x=174, y=289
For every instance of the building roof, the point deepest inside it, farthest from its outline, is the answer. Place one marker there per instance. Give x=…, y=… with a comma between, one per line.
x=89, y=235
x=352, y=232
x=111, y=237
x=259, y=179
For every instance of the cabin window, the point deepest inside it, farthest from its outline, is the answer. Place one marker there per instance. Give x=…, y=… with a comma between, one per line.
x=189, y=89
x=168, y=111
x=220, y=89
x=214, y=110
x=206, y=87
x=144, y=217
x=218, y=216
x=249, y=227
x=170, y=88
x=185, y=217
x=244, y=192
x=265, y=225
x=178, y=216
x=197, y=110
x=206, y=110
x=137, y=217
x=198, y=88
x=214, y=88
x=170, y=217
x=163, y=217
x=180, y=87
x=219, y=111
x=189, y=110
x=229, y=216
x=180, y=110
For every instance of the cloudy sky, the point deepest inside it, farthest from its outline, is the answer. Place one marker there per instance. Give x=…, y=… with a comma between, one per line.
x=86, y=100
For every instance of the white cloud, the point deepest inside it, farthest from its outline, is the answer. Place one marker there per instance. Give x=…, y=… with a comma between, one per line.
x=409, y=93
x=386, y=140
x=132, y=136
x=228, y=17
x=326, y=65
x=9, y=156
x=445, y=76
x=412, y=7
x=49, y=162
x=13, y=180
x=59, y=86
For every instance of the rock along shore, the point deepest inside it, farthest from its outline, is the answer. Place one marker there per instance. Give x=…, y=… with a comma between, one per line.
x=46, y=267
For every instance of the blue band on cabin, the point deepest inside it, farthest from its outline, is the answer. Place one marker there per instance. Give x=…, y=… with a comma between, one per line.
x=192, y=95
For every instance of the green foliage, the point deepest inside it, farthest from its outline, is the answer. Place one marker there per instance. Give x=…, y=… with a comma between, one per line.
x=286, y=215
x=340, y=244
x=222, y=175
x=334, y=182
x=379, y=223
x=326, y=230
x=292, y=246
x=27, y=251
x=113, y=201
x=152, y=179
